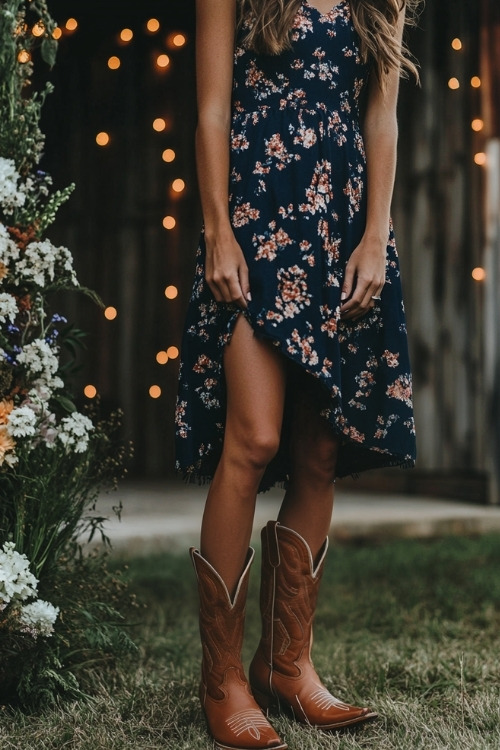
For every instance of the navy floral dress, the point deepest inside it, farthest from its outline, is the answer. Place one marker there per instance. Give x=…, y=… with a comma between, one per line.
x=298, y=208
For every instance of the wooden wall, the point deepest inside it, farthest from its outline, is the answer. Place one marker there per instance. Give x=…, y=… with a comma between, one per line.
x=114, y=223
x=437, y=216
x=490, y=74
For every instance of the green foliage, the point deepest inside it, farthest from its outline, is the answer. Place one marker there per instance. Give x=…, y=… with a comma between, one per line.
x=44, y=210
x=20, y=135
x=54, y=461
x=49, y=496
x=91, y=632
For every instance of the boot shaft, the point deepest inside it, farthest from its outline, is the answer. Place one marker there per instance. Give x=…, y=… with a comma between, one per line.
x=289, y=593
x=222, y=620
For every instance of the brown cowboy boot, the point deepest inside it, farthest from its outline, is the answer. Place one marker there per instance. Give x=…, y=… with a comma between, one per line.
x=281, y=673
x=234, y=719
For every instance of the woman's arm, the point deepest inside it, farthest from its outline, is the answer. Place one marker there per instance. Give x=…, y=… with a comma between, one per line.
x=226, y=270
x=365, y=271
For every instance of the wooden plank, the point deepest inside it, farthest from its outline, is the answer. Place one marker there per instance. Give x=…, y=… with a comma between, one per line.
x=438, y=239
x=492, y=318
x=490, y=66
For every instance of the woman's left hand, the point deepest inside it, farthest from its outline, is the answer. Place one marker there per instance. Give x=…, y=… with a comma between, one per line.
x=364, y=278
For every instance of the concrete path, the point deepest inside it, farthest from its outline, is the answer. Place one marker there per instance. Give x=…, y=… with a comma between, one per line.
x=163, y=516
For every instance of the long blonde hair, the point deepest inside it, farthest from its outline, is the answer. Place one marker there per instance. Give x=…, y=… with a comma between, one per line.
x=374, y=20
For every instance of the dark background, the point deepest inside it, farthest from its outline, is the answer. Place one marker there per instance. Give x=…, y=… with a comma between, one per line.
x=113, y=221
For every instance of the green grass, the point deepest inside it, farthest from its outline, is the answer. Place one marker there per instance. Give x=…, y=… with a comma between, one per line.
x=409, y=628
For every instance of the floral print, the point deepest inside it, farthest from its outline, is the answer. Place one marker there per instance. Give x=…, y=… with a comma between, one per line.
x=298, y=210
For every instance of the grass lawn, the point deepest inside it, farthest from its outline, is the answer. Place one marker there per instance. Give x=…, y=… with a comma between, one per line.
x=409, y=628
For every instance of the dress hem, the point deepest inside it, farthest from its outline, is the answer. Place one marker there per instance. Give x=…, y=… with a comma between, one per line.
x=192, y=476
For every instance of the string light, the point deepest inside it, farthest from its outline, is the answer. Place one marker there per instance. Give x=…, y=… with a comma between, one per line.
x=480, y=158
x=179, y=40
x=102, y=138
x=168, y=155
x=163, y=61
x=171, y=292
x=153, y=25
x=38, y=29
x=23, y=56
x=175, y=40
x=159, y=124
x=178, y=185
x=477, y=124
x=456, y=44
x=126, y=35
x=162, y=358
x=475, y=82
x=454, y=83
x=169, y=222
x=478, y=274
x=110, y=313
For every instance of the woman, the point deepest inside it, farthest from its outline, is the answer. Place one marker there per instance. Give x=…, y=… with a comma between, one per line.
x=294, y=364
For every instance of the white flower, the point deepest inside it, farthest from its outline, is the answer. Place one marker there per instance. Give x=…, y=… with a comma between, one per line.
x=74, y=432
x=39, y=395
x=65, y=260
x=53, y=383
x=8, y=307
x=38, y=357
x=40, y=262
x=8, y=458
x=37, y=263
x=9, y=251
x=39, y=617
x=11, y=195
x=38, y=398
x=22, y=422
x=40, y=360
x=16, y=580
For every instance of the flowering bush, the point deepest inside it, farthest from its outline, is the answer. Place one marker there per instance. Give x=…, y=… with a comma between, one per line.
x=31, y=387
x=54, y=459
x=17, y=584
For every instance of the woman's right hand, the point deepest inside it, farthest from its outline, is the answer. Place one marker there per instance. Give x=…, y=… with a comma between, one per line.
x=226, y=271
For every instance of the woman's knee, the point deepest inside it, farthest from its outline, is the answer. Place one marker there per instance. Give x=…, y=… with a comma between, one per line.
x=255, y=448
x=317, y=456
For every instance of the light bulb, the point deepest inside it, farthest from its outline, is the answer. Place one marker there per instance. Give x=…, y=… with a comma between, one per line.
x=102, y=138
x=178, y=185
x=110, y=313
x=171, y=292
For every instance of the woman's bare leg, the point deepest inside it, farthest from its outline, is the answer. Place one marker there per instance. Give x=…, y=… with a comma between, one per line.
x=255, y=379
x=308, y=503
